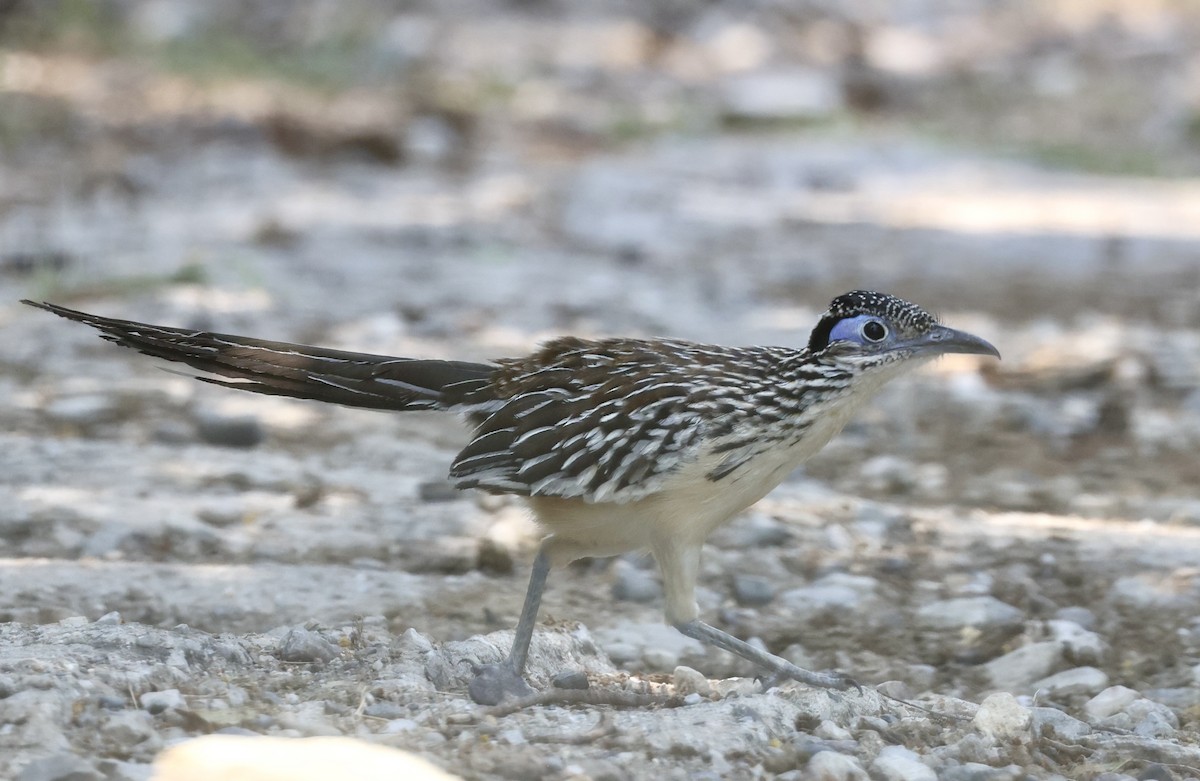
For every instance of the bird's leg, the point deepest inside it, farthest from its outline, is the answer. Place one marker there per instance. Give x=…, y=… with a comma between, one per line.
x=780, y=668
x=496, y=682
x=680, y=567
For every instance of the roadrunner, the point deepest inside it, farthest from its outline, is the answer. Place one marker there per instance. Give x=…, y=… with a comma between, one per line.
x=618, y=444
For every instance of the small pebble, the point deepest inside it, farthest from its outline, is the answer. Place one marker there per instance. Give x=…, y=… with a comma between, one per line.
x=635, y=585
x=689, y=681
x=157, y=702
x=1018, y=669
x=830, y=730
x=60, y=767
x=415, y=640
x=304, y=645
x=129, y=727
x=83, y=411
x=229, y=430
x=752, y=590
x=984, y=612
x=1081, y=646
x=1079, y=615
x=1111, y=701
x=832, y=766
x=571, y=679
x=1073, y=682
x=1053, y=723
x=396, y=726
x=386, y=710
x=1002, y=718
x=897, y=763
x=438, y=491
x=660, y=658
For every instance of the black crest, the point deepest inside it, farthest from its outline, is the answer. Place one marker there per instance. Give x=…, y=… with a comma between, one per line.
x=907, y=315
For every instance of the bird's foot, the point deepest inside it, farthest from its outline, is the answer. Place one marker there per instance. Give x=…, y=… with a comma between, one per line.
x=494, y=683
x=826, y=680
x=780, y=668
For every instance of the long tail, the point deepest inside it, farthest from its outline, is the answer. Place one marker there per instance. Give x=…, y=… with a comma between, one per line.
x=283, y=369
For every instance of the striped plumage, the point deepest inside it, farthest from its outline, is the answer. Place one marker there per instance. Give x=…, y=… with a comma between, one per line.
x=619, y=444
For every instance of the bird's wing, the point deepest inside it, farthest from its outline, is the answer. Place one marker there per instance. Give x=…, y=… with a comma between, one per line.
x=605, y=421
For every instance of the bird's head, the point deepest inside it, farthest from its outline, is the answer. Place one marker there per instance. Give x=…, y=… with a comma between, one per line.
x=866, y=330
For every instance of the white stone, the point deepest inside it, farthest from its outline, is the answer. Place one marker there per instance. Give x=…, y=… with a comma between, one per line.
x=982, y=612
x=792, y=93
x=1080, y=645
x=1020, y=668
x=688, y=681
x=832, y=766
x=1077, y=680
x=1111, y=701
x=156, y=702
x=897, y=763
x=1002, y=718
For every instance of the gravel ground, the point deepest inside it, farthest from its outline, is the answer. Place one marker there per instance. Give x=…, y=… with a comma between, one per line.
x=1004, y=554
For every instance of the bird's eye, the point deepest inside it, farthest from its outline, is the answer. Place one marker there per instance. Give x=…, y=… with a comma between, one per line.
x=874, y=331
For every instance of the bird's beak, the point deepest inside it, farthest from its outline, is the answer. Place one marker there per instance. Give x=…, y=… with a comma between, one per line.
x=942, y=340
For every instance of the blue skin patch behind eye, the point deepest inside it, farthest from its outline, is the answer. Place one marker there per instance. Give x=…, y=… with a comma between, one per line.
x=850, y=330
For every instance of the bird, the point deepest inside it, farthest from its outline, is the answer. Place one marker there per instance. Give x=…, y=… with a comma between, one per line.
x=617, y=444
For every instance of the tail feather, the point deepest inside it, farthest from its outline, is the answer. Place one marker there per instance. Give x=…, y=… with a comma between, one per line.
x=297, y=370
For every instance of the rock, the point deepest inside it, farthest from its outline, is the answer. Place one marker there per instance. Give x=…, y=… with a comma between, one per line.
x=157, y=702
x=1079, y=615
x=1177, y=698
x=1112, y=700
x=1080, y=646
x=1054, y=723
x=400, y=726
x=633, y=584
x=829, y=730
x=782, y=94
x=116, y=770
x=981, y=613
x=416, y=641
x=304, y=645
x=1139, y=593
x=659, y=659
x=837, y=592
x=438, y=491
x=229, y=430
x=888, y=474
x=968, y=629
x=235, y=758
x=756, y=530
x=1152, y=719
x=1017, y=670
x=570, y=679
x=1073, y=682
x=82, y=411
x=897, y=763
x=386, y=710
x=1002, y=718
x=688, y=681
x=752, y=590
x=129, y=728
x=60, y=767
x=832, y=766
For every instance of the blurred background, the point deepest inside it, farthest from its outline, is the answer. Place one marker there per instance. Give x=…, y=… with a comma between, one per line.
x=1005, y=156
